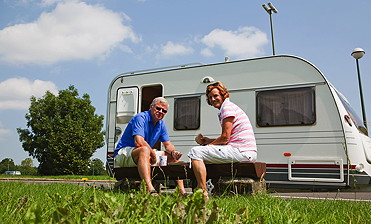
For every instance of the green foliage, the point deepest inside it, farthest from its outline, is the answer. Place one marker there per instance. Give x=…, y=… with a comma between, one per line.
x=27, y=170
x=63, y=132
x=7, y=164
x=65, y=203
x=96, y=167
x=26, y=167
x=27, y=162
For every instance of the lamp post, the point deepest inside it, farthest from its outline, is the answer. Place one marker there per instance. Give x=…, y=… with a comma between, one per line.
x=269, y=11
x=358, y=54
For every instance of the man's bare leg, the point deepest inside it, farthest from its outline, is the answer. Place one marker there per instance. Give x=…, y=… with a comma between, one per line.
x=141, y=157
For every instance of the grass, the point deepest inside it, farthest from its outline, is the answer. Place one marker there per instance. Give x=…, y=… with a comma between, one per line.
x=67, y=203
x=69, y=177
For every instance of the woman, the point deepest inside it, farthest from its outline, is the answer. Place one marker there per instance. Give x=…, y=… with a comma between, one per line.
x=236, y=142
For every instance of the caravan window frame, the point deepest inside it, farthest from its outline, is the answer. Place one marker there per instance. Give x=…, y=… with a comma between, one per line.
x=353, y=115
x=299, y=104
x=191, y=114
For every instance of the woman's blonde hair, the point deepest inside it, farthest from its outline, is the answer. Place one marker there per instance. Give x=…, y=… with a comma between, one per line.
x=217, y=85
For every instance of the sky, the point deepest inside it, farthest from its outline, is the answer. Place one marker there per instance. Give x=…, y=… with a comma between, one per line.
x=51, y=44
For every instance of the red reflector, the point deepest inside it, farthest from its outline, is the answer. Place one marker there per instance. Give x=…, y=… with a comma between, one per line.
x=287, y=154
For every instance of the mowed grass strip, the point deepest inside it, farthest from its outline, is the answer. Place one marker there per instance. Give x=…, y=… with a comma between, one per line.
x=67, y=177
x=68, y=203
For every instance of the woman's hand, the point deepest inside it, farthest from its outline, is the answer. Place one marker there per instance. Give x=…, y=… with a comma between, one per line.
x=200, y=139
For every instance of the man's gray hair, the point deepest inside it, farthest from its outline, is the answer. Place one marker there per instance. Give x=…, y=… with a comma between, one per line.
x=161, y=100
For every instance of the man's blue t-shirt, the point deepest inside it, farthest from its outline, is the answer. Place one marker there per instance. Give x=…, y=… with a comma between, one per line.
x=143, y=125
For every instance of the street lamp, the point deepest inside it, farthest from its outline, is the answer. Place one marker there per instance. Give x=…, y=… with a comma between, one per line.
x=269, y=11
x=358, y=54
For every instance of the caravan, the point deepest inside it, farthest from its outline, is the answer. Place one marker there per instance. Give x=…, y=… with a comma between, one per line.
x=306, y=131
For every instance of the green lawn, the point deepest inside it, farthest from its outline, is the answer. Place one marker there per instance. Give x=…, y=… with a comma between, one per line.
x=67, y=203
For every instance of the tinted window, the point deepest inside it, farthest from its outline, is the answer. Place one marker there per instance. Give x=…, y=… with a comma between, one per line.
x=187, y=113
x=353, y=115
x=286, y=107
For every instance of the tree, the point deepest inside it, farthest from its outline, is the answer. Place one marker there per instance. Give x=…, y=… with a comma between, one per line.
x=63, y=132
x=27, y=167
x=96, y=167
x=27, y=162
x=7, y=164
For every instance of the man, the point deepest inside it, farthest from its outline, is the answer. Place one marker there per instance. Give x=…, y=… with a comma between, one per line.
x=140, y=135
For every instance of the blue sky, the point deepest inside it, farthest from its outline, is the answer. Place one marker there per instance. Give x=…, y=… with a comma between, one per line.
x=51, y=44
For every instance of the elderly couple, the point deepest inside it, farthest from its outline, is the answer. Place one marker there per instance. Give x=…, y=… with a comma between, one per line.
x=236, y=143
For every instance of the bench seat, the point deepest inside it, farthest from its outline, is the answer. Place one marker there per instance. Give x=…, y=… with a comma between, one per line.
x=176, y=171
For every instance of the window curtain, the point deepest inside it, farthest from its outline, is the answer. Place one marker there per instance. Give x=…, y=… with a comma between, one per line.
x=187, y=113
x=286, y=107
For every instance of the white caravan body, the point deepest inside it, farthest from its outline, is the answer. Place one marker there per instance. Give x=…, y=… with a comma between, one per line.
x=306, y=131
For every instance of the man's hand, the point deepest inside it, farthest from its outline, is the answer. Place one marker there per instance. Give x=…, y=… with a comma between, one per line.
x=152, y=158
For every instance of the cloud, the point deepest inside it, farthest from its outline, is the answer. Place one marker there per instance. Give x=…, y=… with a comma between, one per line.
x=73, y=30
x=242, y=43
x=172, y=49
x=15, y=93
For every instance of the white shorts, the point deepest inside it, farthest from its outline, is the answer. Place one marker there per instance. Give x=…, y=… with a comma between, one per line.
x=124, y=158
x=221, y=154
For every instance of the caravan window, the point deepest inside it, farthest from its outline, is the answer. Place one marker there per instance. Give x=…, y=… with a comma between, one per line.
x=187, y=113
x=353, y=115
x=286, y=107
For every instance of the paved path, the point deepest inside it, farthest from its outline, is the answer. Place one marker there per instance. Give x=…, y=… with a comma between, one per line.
x=341, y=196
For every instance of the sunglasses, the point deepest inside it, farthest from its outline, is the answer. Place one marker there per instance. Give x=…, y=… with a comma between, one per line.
x=213, y=84
x=161, y=109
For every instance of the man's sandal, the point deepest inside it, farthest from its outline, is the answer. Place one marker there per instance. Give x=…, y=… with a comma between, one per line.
x=185, y=195
x=153, y=193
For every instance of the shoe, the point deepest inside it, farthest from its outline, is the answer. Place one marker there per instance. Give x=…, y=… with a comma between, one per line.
x=153, y=193
x=206, y=196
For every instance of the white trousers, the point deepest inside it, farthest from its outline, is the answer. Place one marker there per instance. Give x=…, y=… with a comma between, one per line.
x=221, y=154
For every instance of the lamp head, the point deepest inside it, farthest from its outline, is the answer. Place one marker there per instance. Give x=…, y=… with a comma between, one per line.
x=358, y=53
x=272, y=7
x=266, y=9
